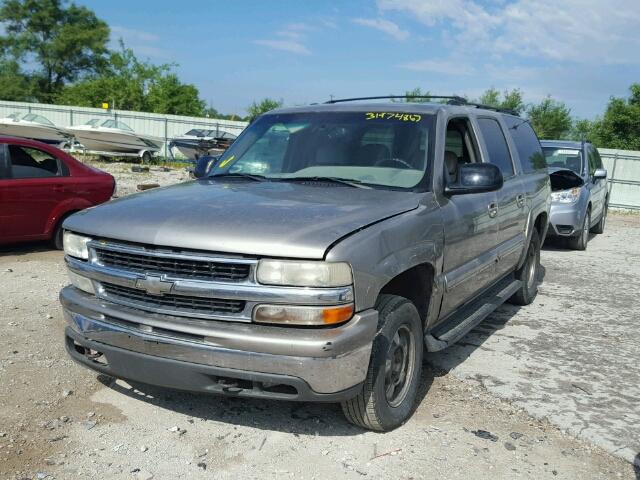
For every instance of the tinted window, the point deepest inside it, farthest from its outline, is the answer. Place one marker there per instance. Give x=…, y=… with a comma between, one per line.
x=596, y=154
x=593, y=162
x=527, y=144
x=32, y=163
x=496, y=145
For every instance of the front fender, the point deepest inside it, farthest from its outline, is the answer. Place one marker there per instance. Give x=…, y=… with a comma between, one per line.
x=65, y=207
x=384, y=250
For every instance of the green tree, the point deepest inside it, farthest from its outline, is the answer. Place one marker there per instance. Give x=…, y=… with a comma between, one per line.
x=124, y=81
x=132, y=84
x=416, y=92
x=620, y=124
x=550, y=119
x=168, y=95
x=63, y=41
x=14, y=84
x=584, y=130
x=258, y=108
x=509, y=99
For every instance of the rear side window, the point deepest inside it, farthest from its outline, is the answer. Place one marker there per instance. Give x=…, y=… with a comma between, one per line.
x=29, y=162
x=527, y=144
x=496, y=145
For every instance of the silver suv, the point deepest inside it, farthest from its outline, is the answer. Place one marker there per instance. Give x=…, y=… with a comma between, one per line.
x=318, y=257
x=580, y=197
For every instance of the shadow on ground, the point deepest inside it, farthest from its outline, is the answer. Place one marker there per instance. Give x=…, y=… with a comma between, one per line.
x=26, y=248
x=288, y=417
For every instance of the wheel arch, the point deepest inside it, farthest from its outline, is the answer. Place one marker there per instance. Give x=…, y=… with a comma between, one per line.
x=415, y=284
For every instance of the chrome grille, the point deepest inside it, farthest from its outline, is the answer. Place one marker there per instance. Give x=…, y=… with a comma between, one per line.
x=174, y=303
x=180, y=267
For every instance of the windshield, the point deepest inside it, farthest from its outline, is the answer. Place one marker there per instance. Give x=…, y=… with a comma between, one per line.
x=116, y=124
x=569, y=158
x=198, y=132
x=32, y=117
x=386, y=149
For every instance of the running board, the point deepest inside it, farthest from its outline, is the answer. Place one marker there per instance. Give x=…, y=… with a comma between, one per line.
x=463, y=321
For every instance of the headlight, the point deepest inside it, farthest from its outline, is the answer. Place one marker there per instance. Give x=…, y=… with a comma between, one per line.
x=76, y=245
x=296, y=315
x=566, y=196
x=83, y=283
x=304, y=274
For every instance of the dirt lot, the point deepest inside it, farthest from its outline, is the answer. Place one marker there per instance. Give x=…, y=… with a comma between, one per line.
x=508, y=402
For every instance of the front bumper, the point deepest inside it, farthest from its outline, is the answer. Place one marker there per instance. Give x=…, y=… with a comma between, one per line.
x=565, y=219
x=219, y=357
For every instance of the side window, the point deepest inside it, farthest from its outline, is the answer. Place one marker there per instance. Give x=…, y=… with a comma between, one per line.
x=5, y=170
x=460, y=148
x=496, y=145
x=598, y=159
x=527, y=144
x=27, y=162
x=592, y=160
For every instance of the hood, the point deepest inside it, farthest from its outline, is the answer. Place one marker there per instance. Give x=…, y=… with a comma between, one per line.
x=564, y=179
x=276, y=219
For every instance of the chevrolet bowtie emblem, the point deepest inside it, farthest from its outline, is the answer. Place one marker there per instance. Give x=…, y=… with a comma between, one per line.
x=154, y=285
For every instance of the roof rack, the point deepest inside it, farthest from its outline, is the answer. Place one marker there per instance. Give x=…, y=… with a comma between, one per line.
x=451, y=100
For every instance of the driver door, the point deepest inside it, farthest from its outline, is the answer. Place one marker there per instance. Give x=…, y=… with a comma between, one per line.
x=470, y=224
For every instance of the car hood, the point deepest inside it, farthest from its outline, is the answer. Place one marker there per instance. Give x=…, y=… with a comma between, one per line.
x=564, y=179
x=279, y=219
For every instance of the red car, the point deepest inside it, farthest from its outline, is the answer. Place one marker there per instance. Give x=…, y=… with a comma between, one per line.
x=40, y=186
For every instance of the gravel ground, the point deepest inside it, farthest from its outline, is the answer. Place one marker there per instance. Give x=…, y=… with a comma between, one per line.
x=508, y=402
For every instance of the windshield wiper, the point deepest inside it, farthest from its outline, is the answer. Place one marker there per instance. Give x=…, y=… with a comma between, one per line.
x=249, y=176
x=342, y=181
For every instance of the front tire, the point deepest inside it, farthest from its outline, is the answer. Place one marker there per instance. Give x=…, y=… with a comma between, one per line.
x=580, y=242
x=388, y=396
x=528, y=273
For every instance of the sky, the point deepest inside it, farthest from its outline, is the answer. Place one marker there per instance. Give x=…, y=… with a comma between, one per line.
x=578, y=51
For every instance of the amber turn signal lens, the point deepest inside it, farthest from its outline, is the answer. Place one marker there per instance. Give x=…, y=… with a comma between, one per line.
x=335, y=315
x=302, y=315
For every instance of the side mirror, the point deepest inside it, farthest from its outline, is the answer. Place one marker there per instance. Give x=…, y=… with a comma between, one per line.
x=476, y=178
x=204, y=165
x=600, y=173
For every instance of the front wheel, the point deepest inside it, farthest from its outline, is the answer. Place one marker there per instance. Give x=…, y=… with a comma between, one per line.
x=388, y=396
x=580, y=242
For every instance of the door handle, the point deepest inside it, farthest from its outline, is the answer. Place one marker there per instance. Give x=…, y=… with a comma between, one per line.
x=59, y=189
x=520, y=200
x=493, y=209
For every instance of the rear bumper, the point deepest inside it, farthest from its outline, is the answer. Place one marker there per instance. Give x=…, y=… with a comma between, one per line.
x=565, y=220
x=227, y=358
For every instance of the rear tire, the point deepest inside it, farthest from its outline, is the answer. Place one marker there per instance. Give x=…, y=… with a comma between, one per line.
x=146, y=158
x=580, y=242
x=528, y=273
x=388, y=396
x=599, y=227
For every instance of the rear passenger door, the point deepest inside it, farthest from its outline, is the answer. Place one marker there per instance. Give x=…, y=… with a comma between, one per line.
x=511, y=215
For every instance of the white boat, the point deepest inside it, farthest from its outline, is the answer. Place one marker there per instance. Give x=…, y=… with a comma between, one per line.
x=198, y=142
x=36, y=127
x=113, y=136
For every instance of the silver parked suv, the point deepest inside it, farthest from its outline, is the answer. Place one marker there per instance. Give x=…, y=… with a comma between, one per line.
x=580, y=197
x=317, y=259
